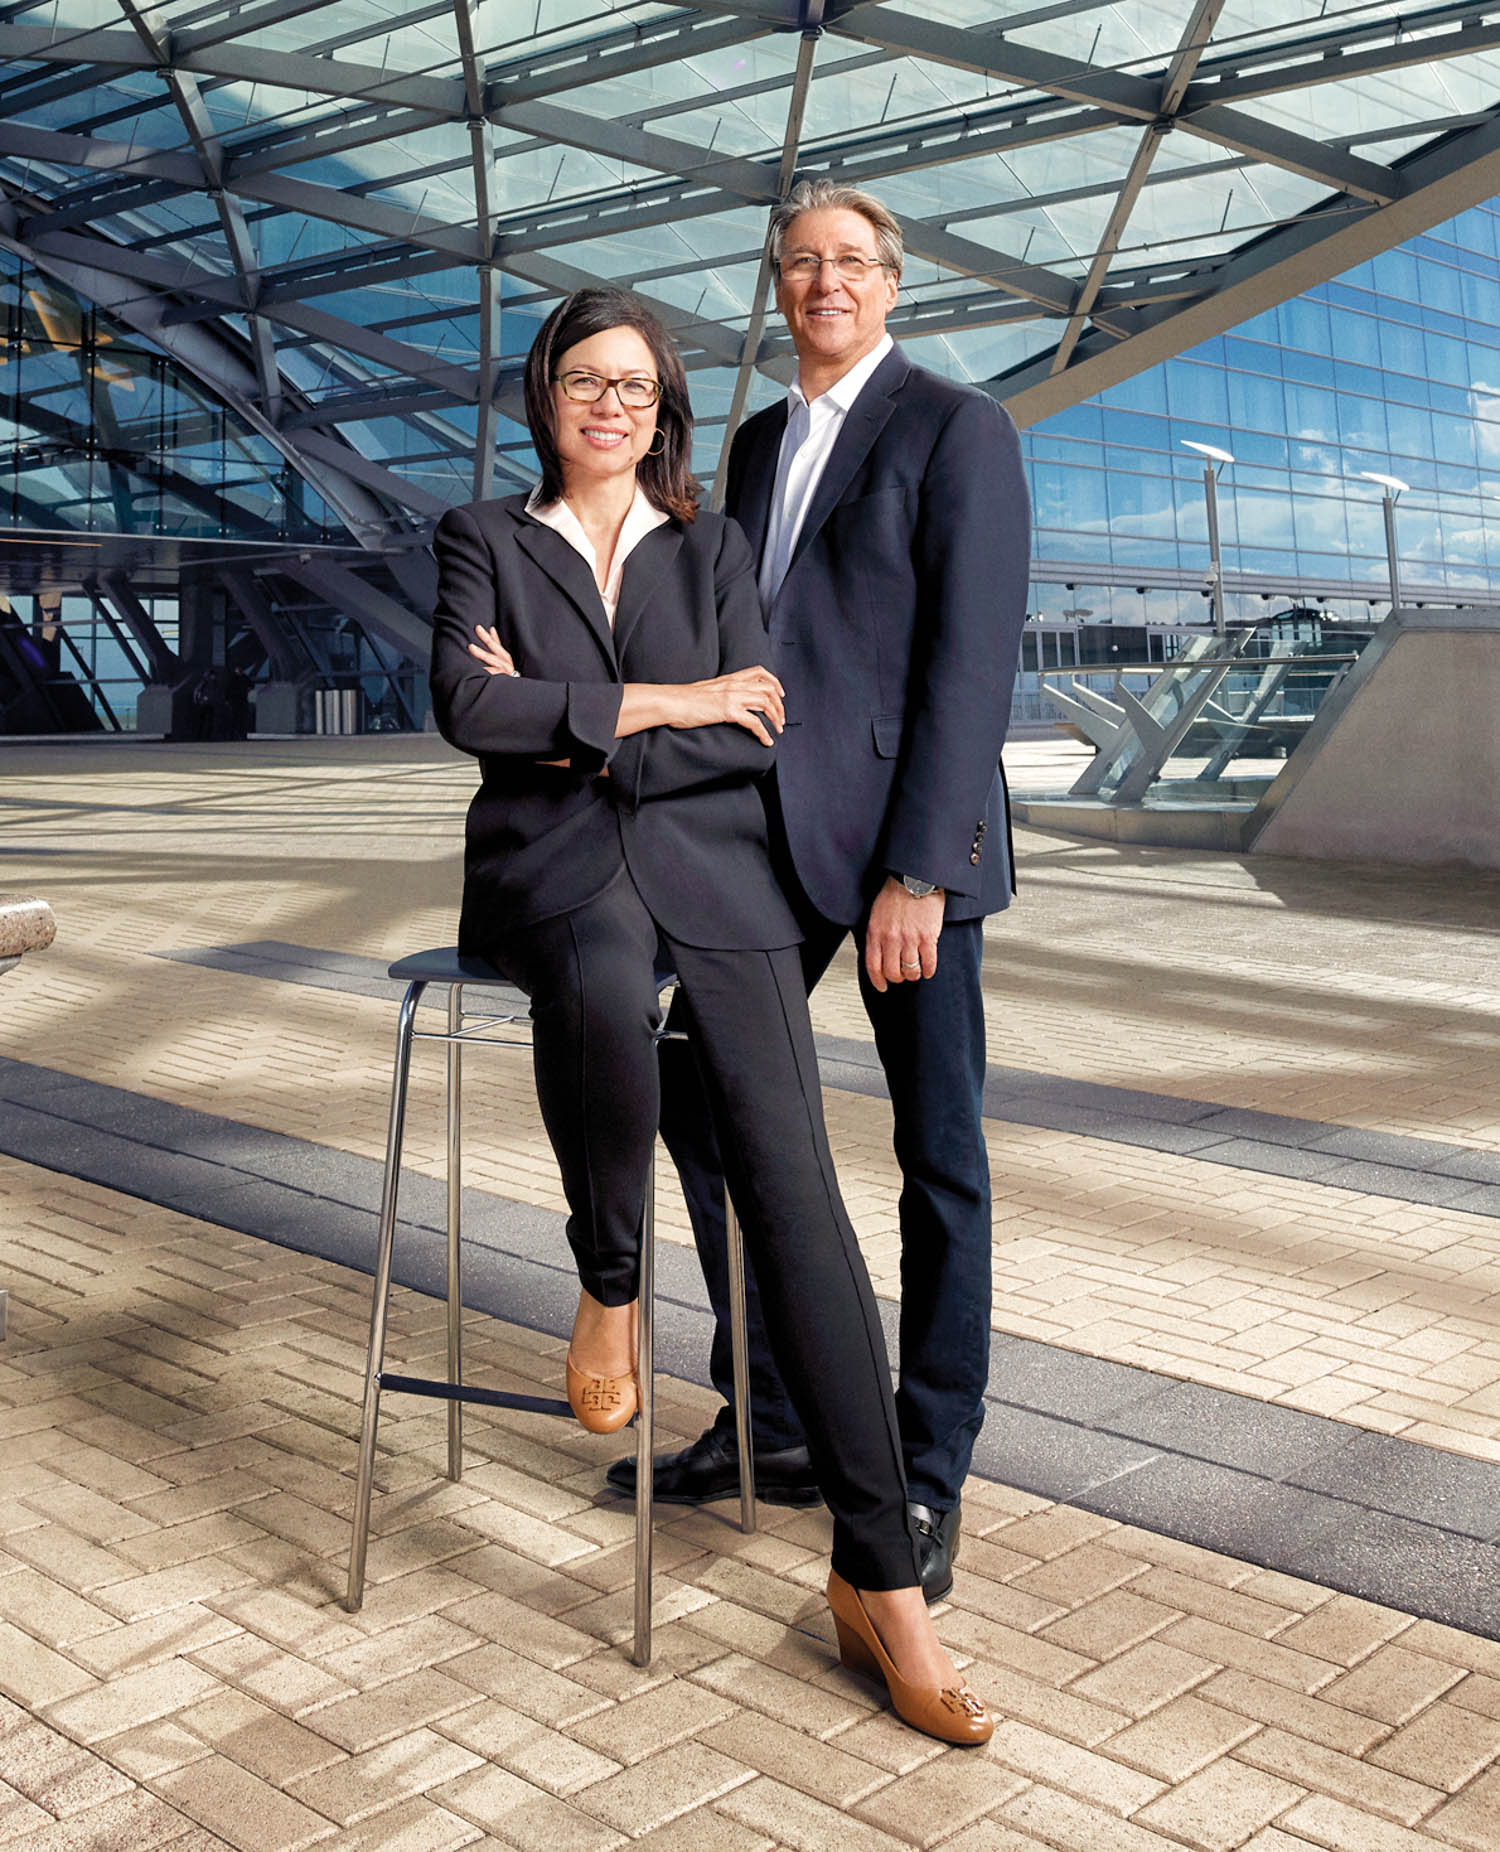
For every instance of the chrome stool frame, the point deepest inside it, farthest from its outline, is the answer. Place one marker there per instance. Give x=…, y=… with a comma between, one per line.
x=509, y=1027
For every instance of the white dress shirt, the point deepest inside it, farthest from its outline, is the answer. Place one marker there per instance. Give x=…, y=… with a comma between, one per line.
x=812, y=429
x=642, y=517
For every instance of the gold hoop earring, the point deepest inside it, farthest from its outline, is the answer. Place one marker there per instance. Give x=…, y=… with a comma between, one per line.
x=661, y=449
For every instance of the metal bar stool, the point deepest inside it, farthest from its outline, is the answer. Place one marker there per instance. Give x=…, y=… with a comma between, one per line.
x=506, y=1024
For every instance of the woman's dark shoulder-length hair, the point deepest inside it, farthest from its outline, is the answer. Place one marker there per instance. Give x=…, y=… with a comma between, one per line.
x=663, y=476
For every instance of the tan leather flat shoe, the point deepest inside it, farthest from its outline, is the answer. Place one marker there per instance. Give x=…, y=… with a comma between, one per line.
x=603, y=1404
x=954, y=1715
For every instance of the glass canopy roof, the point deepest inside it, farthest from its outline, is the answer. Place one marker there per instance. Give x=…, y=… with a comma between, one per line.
x=346, y=217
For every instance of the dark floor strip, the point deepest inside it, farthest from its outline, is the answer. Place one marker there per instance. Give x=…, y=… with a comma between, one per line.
x=1398, y=1523
x=1419, y=1170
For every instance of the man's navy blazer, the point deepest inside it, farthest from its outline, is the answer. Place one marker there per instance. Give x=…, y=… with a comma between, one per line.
x=680, y=809
x=896, y=632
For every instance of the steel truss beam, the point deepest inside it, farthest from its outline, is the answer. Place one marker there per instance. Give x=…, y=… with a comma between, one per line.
x=1437, y=183
x=208, y=356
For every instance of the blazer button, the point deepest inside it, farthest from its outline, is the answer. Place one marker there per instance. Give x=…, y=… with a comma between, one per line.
x=982, y=826
x=974, y=858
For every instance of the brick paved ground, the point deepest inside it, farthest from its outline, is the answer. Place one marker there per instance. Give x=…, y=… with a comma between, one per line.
x=176, y=1406
x=176, y=1402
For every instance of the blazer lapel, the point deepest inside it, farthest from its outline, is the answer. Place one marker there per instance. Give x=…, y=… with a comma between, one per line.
x=649, y=559
x=863, y=423
x=569, y=572
x=753, y=509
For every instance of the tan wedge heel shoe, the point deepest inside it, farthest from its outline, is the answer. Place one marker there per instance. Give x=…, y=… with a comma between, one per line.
x=954, y=1715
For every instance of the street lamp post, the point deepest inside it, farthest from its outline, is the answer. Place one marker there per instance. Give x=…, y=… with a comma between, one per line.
x=1216, y=459
x=1391, y=487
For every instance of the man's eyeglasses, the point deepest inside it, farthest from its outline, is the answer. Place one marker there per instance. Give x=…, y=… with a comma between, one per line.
x=635, y=391
x=849, y=268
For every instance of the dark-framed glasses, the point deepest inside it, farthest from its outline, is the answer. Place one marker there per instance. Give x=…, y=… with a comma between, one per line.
x=635, y=391
x=803, y=267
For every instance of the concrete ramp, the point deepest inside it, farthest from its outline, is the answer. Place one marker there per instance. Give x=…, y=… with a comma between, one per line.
x=1403, y=761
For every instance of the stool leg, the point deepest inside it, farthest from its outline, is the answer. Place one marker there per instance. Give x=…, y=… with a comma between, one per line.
x=645, y=1420
x=455, y=1217
x=375, y=1355
x=735, y=1243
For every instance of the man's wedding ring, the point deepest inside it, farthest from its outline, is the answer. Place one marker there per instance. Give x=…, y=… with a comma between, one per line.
x=911, y=964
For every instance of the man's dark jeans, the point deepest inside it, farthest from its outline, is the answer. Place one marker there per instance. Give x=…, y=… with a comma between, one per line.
x=930, y=1039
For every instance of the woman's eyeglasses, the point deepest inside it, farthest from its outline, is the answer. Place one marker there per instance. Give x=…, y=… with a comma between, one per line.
x=848, y=268
x=635, y=391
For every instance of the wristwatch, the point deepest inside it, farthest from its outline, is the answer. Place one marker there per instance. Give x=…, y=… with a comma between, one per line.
x=919, y=890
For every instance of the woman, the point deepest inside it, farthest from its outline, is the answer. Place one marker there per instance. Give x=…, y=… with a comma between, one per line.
x=599, y=647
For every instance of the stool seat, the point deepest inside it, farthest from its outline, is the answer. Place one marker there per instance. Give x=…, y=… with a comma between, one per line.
x=445, y=964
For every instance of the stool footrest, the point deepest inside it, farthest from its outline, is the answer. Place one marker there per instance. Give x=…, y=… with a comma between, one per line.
x=461, y=1392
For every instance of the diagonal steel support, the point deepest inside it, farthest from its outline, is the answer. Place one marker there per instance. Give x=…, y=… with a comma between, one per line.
x=755, y=329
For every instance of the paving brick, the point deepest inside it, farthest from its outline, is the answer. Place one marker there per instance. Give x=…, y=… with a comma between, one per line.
x=1107, y=1626
x=1342, y=1828
x=133, y=1698
x=152, y=1748
x=1145, y=1677
x=240, y=1808
x=520, y=1629
x=790, y=1818
x=257, y=1737
x=135, y=1822
x=1444, y=1746
x=1316, y=1721
x=827, y=1771
x=667, y=1714
x=1472, y=1819
x=1080, y=1772
x=280, y=1679
x=356, y=1786
x=1343, y=1630
x=519, y=1815
x=1180, y=1738
x=655, y=1791
x=410, y=1826
x=33, y=1674
x=1392, y=1684
x=372, y=1717
x=48, y=1611
x=1246, y=1653
x=549, y=1697
x=19, y=1816
x=805, y=1707
x=703, y=1832
x=991, y=1836
x=926, y=1806
x=54, y=1773
x=1061, y=1713
x=1221, y=1806
x=1063, y=1820
x=1326, y=1771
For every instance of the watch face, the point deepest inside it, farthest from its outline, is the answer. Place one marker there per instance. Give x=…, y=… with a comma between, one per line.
x=919, y=890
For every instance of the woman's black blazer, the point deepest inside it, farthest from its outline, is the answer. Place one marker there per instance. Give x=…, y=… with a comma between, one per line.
x=679, y=808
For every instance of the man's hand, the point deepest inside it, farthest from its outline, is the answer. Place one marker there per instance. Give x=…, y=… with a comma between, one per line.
x=902, y=939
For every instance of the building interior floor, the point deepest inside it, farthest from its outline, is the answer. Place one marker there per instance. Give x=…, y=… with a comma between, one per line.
x=1230, y=1574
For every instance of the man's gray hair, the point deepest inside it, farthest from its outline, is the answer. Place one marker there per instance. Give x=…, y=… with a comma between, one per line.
x=816, y=195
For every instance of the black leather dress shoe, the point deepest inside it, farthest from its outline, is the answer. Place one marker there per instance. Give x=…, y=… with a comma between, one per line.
x=710, y=1469
x=937, y=1548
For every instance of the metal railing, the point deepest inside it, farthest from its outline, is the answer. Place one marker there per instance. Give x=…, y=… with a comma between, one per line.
x=1211, y=719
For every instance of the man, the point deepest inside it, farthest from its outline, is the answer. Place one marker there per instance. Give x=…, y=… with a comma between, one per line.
x=888, y=511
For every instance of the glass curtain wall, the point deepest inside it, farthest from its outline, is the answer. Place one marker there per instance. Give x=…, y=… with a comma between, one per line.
x=1392, y=369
